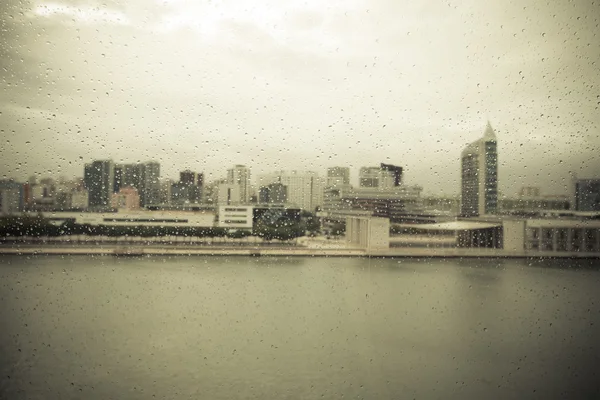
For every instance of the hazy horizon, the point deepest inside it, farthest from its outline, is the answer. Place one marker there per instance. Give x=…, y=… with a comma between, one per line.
x=300, y=85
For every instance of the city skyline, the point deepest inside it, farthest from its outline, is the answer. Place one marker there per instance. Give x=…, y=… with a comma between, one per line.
x=301, y=86
x=256, y=182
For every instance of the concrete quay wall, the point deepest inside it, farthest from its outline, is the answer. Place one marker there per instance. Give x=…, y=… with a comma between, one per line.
x=284, y=251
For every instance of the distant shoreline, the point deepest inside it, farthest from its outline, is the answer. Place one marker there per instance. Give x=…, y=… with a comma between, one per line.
x=280, y=251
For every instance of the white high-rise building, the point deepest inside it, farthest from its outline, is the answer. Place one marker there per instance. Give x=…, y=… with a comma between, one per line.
x=240, y=176
x=479, y=173
x=304, y=188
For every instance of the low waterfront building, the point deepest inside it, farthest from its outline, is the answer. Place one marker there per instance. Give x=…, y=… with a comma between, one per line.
x=399, y=203
x=561, y=235
x=274, y=214
x=574, y=233
x=136, y=218
x=370, y=233
x=464, y=234
x=235, y=217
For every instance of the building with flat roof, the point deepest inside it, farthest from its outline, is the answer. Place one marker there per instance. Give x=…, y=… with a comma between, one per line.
x=273, y=193
x=587, y=195
x=560, y=235
x=386, y=176
x=229, y=194
x=338, y=176
x=145, y=177
x=395, y=203
x=150, y=184
x=395, y=171
x=464, y=234
x=127, y=199
x=99, y=181
x=304, y=188
x=479, y=176
x=531, y=199
x=235, y=217
x=136, y=218
x=239, y=175
x=515, y=236
x=11, y=197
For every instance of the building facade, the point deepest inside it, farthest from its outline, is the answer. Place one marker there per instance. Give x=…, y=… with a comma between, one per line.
x=98, y=179
x=195, y=180
x=273, y=193
x=126, y=199
x=587, y=195
x=533, y=204
x=386, y=176
x=235, y=217
x=11, y=197
x=228, y=194
x=338, y=176
x=137, y=218
x=145, y=177
x=479, y=176
x=149, y=189
x=562, y=235
x=304, y=188
x=395, y=172
x=240, y=176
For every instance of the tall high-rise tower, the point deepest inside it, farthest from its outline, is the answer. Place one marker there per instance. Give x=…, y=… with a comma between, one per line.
x=99, y=179
x=479, y=176
x=150, y=183
x=587, y=195
x=240, y=175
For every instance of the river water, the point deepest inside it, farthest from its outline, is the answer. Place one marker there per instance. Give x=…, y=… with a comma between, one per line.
x=298, y=328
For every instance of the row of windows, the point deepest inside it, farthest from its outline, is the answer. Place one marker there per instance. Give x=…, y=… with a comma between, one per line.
x=145, y=220
x=563, y=239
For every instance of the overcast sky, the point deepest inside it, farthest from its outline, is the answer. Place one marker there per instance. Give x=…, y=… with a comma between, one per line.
x=302, y=84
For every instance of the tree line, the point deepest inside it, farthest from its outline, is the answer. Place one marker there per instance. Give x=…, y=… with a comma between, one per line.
x=37, y=226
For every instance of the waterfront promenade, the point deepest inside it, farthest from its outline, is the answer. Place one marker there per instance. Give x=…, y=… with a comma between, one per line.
x=305, y=247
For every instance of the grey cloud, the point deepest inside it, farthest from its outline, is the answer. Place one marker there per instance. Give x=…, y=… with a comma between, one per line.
x=246, y=96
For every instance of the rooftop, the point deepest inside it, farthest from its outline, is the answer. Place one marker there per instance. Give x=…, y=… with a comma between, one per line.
x=452, y=226
x=562, y=223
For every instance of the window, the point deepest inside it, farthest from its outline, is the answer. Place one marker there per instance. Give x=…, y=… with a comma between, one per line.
x=303, y=199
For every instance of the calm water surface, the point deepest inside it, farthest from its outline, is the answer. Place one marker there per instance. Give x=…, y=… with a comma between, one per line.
x=297, y=328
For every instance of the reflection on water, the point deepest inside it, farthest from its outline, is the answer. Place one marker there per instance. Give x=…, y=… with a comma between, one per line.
x=242, y=327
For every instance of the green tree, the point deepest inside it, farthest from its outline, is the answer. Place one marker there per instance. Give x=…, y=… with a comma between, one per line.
x=310, y=223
